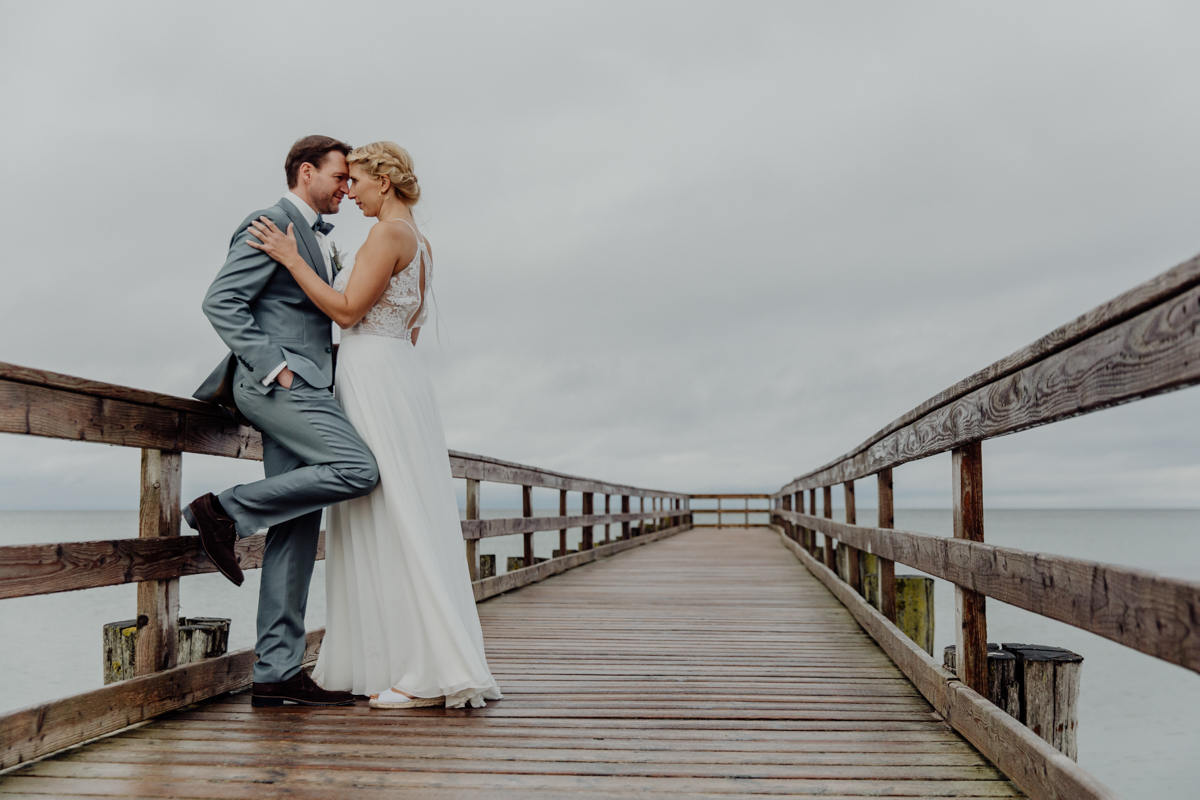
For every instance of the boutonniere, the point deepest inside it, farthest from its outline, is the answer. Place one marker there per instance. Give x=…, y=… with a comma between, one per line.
x=335, y=256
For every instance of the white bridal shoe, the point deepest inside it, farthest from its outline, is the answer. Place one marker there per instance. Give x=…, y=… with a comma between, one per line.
x=393, y=699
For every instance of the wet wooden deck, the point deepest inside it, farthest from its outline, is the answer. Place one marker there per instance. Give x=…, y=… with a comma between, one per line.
x=705, y=665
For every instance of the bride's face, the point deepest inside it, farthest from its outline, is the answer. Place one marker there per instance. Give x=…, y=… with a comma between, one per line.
x=366, y=191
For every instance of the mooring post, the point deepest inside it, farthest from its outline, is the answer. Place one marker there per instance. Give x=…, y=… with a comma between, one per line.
x=527, y=512
x=473, y=513
x=970, y=608
x=830, y=553
x=158, y=601
x=887, y=567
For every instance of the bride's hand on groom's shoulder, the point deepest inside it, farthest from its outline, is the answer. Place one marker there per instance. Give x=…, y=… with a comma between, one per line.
x=275, y=243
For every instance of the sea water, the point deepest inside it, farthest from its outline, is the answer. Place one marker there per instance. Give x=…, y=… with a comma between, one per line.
x=1139, y=718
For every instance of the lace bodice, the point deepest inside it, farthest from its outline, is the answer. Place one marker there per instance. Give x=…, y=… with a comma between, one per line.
x=400, y=307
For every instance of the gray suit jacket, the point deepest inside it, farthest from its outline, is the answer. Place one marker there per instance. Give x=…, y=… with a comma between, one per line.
x=263, y=315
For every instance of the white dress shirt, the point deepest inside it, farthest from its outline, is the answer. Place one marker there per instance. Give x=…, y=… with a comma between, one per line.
x=310, y=216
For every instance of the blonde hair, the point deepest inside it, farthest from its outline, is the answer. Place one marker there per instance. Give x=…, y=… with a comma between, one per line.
x=388, y=159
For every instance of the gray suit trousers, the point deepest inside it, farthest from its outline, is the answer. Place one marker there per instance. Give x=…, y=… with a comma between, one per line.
x=313, y=458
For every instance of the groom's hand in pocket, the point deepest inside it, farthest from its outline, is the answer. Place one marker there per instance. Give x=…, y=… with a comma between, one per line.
x=285, y=378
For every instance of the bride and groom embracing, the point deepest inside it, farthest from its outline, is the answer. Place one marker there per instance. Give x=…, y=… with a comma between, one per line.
x=401, y=620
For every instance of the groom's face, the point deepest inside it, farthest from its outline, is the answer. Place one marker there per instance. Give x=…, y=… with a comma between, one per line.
x=328, y=183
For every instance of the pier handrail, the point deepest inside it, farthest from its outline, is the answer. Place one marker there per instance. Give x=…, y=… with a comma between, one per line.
x=1142, y=343
x=40, y=403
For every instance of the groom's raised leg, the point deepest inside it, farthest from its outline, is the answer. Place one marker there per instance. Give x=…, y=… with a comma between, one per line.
x=308, y=423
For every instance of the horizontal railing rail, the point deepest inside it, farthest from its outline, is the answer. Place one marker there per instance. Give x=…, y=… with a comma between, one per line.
x=39, y=403
x=722, y=513
x=1143, y=343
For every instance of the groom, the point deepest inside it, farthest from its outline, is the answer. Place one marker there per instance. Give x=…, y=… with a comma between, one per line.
x=279, y=373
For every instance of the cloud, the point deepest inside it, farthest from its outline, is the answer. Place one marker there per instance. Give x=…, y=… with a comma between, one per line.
x=694, y=246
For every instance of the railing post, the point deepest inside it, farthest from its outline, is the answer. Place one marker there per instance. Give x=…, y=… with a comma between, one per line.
x=473, y=513
x=970, y=608
x=852, y=576
x=158, y=601
x=718, y=512
x=527, y=511
x=562, y=512
x=827, y=497
x=625, y=510
x=589, y=506
x=785, y=503
x=747, y=499
x=641, y=510
x=607, y=511
x=887, y=567
x=812, y=512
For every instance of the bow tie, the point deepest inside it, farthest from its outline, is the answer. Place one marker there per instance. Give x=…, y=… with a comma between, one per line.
x=321, y=226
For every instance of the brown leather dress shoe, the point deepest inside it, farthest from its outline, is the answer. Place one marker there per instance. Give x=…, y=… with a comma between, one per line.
x=301, y=689
x=217, y=536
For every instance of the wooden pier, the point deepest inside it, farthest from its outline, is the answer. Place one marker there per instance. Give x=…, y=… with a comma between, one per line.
x=658, y=655
x=705, y=665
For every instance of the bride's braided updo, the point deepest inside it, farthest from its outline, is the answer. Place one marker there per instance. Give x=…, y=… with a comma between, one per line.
x=389, y=159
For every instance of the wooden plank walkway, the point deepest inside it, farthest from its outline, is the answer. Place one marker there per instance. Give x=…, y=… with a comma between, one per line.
x=705, y=665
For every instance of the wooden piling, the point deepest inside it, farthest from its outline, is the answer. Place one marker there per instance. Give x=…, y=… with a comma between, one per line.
x=914, y=609
x=1049, y=683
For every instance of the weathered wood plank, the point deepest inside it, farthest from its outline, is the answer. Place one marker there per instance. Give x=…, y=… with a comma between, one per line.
x=970, y=607
x=485, y=528
x=158, y=601
x=1151, y=302
x=1151, y=613
x=48, y=568
x=1031, y=763
x=490, y=587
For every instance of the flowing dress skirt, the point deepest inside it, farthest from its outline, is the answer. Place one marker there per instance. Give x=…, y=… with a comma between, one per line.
x=400, y=606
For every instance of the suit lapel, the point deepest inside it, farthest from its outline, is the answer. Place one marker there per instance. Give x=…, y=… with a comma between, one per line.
x=310, y=251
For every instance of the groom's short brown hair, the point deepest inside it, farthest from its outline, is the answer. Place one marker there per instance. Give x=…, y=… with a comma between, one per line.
x=310, y=150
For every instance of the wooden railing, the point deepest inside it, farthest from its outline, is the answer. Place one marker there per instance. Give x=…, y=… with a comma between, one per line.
x=38, y=403
x=1145, y=342
x=722, y=513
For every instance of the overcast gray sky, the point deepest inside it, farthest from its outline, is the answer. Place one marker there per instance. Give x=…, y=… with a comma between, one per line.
x=697, y=246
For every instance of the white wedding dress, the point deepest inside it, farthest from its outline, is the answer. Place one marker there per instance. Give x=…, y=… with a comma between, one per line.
x=400, y=609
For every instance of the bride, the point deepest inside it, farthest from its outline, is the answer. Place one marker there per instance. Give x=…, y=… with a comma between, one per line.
x=401, y=622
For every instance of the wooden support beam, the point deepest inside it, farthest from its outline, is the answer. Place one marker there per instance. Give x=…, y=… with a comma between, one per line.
x=851, y=551
x=624, y=510
x=158, y=601
x=812, y=510
x=589, y=502
x=830, y=553
x=607, y=511
x=527, y=512
x=970, y=607
x=887, y=567
x=562, y=512
x=472, y=545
